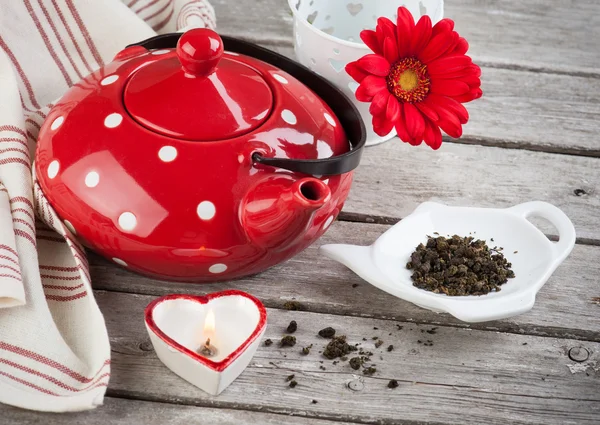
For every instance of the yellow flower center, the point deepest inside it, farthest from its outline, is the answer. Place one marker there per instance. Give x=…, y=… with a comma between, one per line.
x=408, y=80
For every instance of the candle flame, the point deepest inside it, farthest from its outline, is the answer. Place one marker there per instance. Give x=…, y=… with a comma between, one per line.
x=209, y=325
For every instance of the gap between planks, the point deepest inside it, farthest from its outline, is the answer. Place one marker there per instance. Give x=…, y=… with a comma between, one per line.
x=509, y=328
x=314, y=416
x=273, y=410
x=352, y=217
x=127, y=410
x=526, y=146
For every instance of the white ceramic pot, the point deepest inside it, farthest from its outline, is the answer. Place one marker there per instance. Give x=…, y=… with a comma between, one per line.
x=327, y=37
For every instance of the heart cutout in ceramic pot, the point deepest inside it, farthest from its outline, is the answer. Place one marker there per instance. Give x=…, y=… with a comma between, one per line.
x=354, y=9
x=176, y=322
x=337, y=65
x=311, y=18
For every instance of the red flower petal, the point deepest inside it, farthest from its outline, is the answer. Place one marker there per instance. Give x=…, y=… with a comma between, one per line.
x=403, y=134
x=401, y=128
x=467, y=97
x=461, y=47
x=390, y=49
x=374, y=84
x=432, y=135
x=472, y=81
x=448, y=64
x=449, y=123
x=374, y=64
x=382, y=126
x=393, y=109
x=452, y=45
x=437, y=46
x=421, y=35
x=385, y=28
x=369, y=37
x=450, y=105
x=379, y=103
x=356, y=72
x=449, y=87
x=444, y=25
x=427, y=109
x=362, y=95
x=415, y=124
x=369, y=87
x=471, y=70
x=405, y=27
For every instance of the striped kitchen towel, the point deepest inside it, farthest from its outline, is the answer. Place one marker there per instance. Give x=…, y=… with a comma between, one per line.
x=54, y=347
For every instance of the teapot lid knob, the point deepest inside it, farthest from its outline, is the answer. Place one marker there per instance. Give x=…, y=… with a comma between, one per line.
x=199, y=51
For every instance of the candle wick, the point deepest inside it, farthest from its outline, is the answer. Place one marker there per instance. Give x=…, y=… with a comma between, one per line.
x=207, y=350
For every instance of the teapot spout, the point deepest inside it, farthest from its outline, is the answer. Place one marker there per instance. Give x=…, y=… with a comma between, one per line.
x=310, y=194
x=278, y=211
x=357, y=258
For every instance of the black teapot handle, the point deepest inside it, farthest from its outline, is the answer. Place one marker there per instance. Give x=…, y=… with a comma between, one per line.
x=343, y=107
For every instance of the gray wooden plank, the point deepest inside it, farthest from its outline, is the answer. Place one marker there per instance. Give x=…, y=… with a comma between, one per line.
x=466, y=376
x=394, y=178
x=118, y=411
x=529, y=110
x=565, y=306
x=553, y=35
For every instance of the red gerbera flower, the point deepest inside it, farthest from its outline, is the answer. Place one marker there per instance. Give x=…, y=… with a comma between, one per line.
x=416, y=79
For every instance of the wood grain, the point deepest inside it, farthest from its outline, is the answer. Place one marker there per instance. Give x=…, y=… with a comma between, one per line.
x=565, y=306
x=465, y=376
x=118, y=411
x=550, y=36
x=394, y=178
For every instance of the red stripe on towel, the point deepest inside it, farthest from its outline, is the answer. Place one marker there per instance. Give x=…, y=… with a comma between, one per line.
x=12, y=127
x=61, y=43
x=84, y=31
x=25, y=235
x=21, y=73
x=77, y=296
x=63, y=288
x=49, y=46
x=48, y=276
x=164, y=22
x=52, y=379
x=60, y=269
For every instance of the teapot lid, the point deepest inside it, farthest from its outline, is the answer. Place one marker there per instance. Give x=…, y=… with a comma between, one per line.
x=197, y=83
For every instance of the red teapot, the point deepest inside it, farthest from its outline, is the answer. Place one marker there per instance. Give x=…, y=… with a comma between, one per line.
x=197, y=158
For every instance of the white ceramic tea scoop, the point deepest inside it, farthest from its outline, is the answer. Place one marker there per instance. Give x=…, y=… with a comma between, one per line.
x=532, y=255
x=229, y=324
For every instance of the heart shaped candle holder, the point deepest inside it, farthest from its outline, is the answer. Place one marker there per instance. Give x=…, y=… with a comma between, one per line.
x=181, y=326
